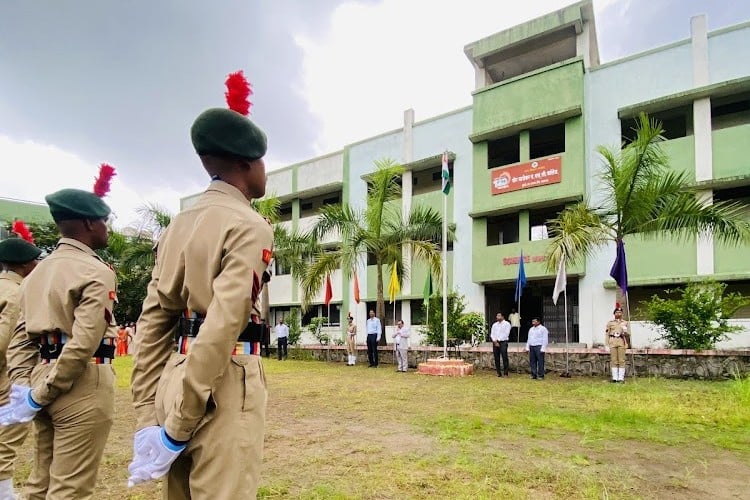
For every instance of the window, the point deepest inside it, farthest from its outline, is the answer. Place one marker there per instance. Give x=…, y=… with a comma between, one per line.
x=539, y=222
x=331, y=201
x=439, y=242
x=502, y=230
x=677, y=122
x=371, y=261
x=279, y=268
x=285, y=212
x=278, y=313
x=389, y=320
x=321, y=311
x=547, y=141
x=738, y=194
x=504, y=151
x=417, y=312
x=429, y=180
x=730, y=111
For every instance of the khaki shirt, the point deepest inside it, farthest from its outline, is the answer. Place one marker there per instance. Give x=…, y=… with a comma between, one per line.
x=616, y=333
x=9, y=297
x=210, y=259
x=70, y=292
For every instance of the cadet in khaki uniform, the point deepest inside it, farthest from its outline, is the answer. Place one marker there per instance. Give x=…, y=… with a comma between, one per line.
x=61, y=349
x=18, y=259
x=617, y=342
x=201, y=410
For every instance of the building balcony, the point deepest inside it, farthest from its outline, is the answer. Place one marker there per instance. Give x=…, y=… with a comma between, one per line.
x=731, y=152
x=499, y=263
x=305, y=224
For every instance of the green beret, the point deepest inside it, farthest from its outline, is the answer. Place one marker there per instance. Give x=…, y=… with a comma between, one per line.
x=18, y=251
x=222, y=132
x=71, y=204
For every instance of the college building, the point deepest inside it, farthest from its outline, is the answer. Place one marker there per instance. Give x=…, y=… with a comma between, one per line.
x=523, y=151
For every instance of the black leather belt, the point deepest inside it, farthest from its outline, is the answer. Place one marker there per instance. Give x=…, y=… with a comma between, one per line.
x=52, y=351
x=189, y=327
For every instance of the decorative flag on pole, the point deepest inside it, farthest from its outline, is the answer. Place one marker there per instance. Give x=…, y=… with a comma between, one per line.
x=427, y=293
x=521, y=280
x=356, y=287
x=393, y=286
x=329, y=290
x=561, y=281
x=446, y=174
x=619, y=269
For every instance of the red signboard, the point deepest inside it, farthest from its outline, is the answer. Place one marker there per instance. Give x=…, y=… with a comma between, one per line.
x=527, y=175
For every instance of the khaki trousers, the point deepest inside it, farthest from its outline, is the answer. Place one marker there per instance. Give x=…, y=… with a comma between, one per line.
x=70, y=435
x=617, y=356
x=12, y=436
x=351, y=345
x=223, y=458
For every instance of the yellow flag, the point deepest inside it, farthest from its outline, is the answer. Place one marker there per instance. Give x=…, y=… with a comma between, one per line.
x=393, y=287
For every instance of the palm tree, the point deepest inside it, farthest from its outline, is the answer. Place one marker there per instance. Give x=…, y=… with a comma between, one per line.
x=379, y=231
x=642, y=195
x=140, y=252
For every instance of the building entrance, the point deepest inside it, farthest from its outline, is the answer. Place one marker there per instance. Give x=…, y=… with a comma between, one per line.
x=536, y=301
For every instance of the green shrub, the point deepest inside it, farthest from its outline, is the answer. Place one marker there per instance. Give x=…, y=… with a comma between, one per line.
x=295, y=328
x=467, y=327
x=698, y=318
x=316, y=329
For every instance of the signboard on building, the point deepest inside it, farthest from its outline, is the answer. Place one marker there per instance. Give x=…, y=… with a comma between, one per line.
x=527, y=175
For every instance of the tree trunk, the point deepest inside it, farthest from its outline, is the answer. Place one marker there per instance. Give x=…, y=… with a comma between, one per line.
x=380, y=307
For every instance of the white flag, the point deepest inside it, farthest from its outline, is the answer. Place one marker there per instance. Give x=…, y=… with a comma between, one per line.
x=561, y=281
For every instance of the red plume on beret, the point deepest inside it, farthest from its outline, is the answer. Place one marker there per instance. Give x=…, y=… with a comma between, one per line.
x=617, y=305
x=22, y=230
x=238, y=93
x=101, y=184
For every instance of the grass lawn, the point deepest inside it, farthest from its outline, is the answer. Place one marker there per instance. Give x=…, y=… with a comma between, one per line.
x=336, y=432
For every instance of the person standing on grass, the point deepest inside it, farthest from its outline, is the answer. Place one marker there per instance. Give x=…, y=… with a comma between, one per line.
x=536, y=345
x=374, y=330
x=499, y=335
x=198, y=385
x=61, y=352
x=18, y=258
x=282, y=339
x=401, y=346
x=351, y=342
x=617, y=343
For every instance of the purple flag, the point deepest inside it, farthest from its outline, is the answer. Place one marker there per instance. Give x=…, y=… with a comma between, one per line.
x=619, y=269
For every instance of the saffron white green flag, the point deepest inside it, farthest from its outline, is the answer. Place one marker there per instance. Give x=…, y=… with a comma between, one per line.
x=446, y=175
x=560, y=282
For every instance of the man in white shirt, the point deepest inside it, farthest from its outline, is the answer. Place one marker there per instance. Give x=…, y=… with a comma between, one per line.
x=374, y=330
x=500, y=334
x=282, y=337
x=401, y=344
x=536, y=345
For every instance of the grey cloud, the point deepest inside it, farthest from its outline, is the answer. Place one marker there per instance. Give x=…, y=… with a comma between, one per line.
x=632, y=26
x=121, y=81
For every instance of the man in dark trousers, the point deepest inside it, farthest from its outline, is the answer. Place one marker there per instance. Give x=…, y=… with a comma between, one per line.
x=500, y=334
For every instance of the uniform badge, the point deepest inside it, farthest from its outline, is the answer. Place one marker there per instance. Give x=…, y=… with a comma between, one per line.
x=112, y=295
x=267, y=255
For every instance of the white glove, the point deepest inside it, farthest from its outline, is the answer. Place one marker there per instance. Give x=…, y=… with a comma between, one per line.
x=22, y=408
x=153, y=454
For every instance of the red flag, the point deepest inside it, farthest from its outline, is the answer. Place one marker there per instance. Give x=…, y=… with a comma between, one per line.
x=356, y=288
x=329, y=290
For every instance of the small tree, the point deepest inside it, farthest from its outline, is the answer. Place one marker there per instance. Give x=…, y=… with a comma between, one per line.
x=474, y=327
x=295, y=328
x=456, y=306
x=316, y=329
x=699, y=318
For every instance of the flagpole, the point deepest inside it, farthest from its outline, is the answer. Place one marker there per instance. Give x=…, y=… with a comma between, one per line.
x=445, y=276
x=565, y=297
x=630, y=337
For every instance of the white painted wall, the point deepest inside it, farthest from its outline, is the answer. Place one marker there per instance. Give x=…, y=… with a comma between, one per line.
x=279, y=183
x=320, y=172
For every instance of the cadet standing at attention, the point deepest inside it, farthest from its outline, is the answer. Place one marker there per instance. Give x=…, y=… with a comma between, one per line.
x=18, y=257
x=201, y=410
x=61, y=352
x=617, y=343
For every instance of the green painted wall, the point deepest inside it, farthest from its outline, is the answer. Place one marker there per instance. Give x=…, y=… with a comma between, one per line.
x=681, y=153
x=434, y=200
x=546, y=93
x=659, y=258
x=27, y=212
x=525, y=31
x=571, y=186
x=731, y=259
x=418, y=276
x=731, y=151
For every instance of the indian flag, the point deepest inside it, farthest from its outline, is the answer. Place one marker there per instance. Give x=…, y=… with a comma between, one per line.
x=446, y=174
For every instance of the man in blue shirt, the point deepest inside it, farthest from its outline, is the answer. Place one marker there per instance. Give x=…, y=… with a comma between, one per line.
x=374, y=329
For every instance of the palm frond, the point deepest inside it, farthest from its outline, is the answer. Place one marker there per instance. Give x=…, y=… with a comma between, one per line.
x=323, y=264
x=576, y=234
x=383, y=187
x=268, y=207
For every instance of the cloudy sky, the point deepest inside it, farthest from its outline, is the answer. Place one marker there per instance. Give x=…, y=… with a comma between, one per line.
x=90, y=81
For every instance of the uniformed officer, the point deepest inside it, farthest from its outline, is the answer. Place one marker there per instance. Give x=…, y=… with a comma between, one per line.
x=617, y=342
x=18, y=258
x=59, y=357
x=200, y=401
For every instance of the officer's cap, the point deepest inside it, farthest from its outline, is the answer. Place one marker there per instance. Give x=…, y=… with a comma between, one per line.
x=18, y=251
x=224, y=132
x=76, y=204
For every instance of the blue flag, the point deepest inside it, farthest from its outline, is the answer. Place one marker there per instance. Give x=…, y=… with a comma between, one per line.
x=619, y=269
x=521, y=280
